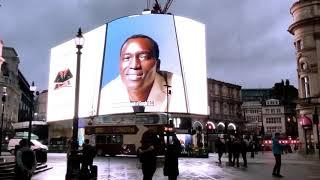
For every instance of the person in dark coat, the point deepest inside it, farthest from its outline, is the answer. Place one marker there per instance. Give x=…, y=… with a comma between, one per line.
x=171, y=162
x=236, y=152
x=88, y=153
x=243, y=151
x=147, y=153
x=25, y=161
x=219, y=148
x=252, y=147
x=229, y=145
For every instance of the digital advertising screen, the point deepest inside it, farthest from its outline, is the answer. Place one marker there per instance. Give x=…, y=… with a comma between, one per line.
x=141, y=63
x=154, y=63
x=61, y=90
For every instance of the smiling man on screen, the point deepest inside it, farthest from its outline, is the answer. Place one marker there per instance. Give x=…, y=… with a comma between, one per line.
x=140, y=87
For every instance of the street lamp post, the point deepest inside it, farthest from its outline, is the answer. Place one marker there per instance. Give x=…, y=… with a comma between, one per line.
x=32, y=90
x=73, y=164
x=168, y=92
x=316, y=122
x=4, y=94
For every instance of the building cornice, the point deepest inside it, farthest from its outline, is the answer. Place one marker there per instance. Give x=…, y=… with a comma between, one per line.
x=304, y=22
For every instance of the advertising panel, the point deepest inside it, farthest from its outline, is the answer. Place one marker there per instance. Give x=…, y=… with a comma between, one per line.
x=61, y=90
x=145, y=70
x=143, y=63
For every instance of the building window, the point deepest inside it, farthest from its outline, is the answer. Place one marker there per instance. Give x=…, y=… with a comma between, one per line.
x=217, y=89
x=4, y=69
x=299, y=45
x=267, y=111
x=306, y=86
x=304, y=65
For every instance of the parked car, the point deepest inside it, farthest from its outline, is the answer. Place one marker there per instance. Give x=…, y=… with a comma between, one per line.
x=39, y=149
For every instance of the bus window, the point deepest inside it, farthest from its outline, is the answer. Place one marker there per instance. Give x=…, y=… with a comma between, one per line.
x=116, y=139
x=101, y=139
x=109, y=139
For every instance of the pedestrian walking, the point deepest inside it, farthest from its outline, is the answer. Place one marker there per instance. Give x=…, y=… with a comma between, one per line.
x=243, y=151
x=188, y=149
x=88, y=153
x=171, y=162
x=25, y=161
x=229, y=147
x=236, y=152
x=276, y=150
x=252, y=147
x=219, y=148
x=147, y=153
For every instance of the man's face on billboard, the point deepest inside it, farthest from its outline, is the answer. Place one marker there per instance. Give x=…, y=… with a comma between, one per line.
x=137, y=64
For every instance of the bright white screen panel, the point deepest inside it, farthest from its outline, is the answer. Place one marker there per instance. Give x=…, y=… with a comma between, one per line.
x=191, y=42
x=61, y=89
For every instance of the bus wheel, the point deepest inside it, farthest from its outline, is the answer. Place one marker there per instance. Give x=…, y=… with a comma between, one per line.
x=100, y=152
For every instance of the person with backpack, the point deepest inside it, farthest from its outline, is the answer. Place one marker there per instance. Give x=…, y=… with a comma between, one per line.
x=25, y=161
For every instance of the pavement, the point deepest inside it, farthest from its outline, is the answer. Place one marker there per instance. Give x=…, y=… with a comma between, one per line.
x=294, y=167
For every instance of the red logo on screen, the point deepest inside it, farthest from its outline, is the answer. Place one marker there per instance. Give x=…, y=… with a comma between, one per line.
x=63, y=79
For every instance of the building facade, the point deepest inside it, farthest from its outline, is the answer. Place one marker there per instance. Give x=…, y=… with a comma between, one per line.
x=17, y=109
x=253, y=100
x=40, y=109
x=306, y=34
x=273, y=117
x=225, y=105
x=9, y=81
x=252, y=111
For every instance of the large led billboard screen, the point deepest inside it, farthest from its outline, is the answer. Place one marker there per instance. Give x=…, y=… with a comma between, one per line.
x=61, y=89
x=143, y=63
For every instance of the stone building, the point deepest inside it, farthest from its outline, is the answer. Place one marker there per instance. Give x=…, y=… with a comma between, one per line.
x=270, y=110
x=40, y=109
x=273, y=117
x=252, y=112
x=225, y=105
x=18, y=105
x=306, y=34
x=9, y=80
x=252, y=102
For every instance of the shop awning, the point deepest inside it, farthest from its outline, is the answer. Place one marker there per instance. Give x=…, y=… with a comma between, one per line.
x=305, y=122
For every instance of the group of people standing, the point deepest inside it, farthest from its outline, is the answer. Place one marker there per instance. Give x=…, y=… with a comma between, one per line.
x=151, y=147
x=237, y=146
x=234, y=147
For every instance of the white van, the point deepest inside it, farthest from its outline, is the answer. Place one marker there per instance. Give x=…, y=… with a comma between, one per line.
x=35, y=145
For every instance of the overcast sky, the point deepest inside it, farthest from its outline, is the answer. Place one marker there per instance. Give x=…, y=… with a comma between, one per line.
x=247, y=40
